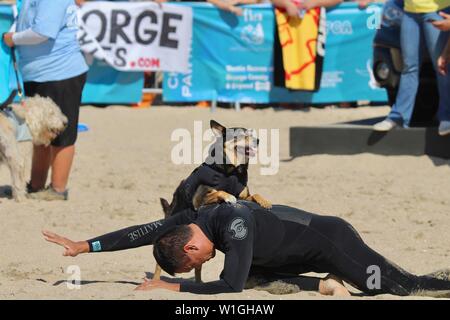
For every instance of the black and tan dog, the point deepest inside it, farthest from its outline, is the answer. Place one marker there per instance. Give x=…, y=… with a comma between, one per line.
x=222, y=177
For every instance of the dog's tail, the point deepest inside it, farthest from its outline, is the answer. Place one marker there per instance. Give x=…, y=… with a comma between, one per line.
x=8, y=101
x=165, y=206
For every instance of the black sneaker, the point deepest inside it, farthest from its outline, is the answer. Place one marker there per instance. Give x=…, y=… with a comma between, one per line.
x=30, y=189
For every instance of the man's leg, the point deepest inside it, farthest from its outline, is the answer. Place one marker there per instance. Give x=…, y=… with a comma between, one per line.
x=344, y=254
x=62, y=159
x=436, y=41
x=402, y=110
x=270, y=282
x=63, y=147
x=39, y=167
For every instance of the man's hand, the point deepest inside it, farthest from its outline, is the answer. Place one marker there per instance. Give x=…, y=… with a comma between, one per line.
x=443, y=25
x=362, y=4
x=7, y=39
x=231, y=6
x=158, y=284
x=292, y=10
x=71, y=248
x=444, y=60
x=442, y=63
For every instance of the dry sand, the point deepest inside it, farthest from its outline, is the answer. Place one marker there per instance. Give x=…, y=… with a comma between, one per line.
x=399, y=204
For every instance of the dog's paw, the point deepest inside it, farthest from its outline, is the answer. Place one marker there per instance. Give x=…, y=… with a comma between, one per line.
x=19, y=198
x=265, y=204
x=229, y=198
x=18, y=195
x=262, y=202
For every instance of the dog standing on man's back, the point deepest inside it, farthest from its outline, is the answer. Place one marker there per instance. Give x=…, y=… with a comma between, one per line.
x=44, y=120
x=221, y=178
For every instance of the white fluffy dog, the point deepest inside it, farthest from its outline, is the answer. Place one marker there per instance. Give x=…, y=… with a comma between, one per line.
x=44, y=120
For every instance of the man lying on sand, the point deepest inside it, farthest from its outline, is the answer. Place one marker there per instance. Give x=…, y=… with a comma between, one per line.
x=141, y=235
x=256, y=241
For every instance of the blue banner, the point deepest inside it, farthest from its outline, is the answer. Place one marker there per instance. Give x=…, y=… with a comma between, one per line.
x=7, y=77
x=232, y=58
x=105, y=85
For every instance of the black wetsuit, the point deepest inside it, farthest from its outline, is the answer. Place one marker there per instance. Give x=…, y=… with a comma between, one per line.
x=283, y=240
x=232, y=182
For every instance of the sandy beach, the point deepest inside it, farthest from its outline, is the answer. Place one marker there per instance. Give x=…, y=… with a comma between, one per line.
x=399, y=204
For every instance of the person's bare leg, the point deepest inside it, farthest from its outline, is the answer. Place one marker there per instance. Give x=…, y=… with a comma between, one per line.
x=62, y=159
x=40, y=166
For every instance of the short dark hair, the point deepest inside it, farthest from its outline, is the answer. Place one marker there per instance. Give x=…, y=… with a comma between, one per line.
x=168, y=249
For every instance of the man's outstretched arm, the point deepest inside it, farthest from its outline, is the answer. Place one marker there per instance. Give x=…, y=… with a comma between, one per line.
x=127, y=238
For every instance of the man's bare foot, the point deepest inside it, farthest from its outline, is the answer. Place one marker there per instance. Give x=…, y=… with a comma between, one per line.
x=333, y=286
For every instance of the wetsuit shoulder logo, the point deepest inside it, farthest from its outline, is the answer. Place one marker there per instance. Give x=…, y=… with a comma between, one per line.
x=238, y=229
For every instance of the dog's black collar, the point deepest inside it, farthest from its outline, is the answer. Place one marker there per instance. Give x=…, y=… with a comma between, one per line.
x=227, y=169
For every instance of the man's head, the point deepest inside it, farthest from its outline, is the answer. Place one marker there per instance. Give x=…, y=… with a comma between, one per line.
x=182, y=249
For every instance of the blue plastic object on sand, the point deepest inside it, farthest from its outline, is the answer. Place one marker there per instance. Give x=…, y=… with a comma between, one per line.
x=82, y=127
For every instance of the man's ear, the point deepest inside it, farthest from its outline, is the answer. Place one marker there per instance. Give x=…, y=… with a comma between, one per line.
x=190, y=247
x=217, y=128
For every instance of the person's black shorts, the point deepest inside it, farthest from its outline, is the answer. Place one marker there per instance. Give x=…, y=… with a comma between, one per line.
x=67, y=95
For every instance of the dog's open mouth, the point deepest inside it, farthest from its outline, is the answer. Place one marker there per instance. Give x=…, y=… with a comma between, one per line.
x=246, y=150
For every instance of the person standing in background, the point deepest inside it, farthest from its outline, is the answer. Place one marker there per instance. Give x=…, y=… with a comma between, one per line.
x=417, y=26
x=444, y=58
x=52, y=65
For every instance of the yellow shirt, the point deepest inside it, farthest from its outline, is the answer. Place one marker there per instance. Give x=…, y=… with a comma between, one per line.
x=424, y=6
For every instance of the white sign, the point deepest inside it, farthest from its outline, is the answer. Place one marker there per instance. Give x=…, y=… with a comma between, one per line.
x=137, y=36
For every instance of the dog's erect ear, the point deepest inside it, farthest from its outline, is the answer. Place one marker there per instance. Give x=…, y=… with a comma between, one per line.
x=217, y=128
x=165, y=205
